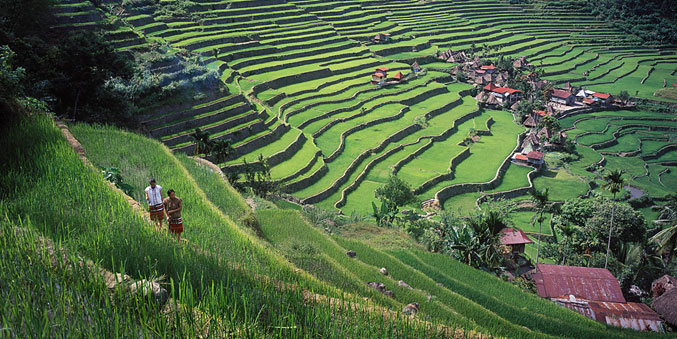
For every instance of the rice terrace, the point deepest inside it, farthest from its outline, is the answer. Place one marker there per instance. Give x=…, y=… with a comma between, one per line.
x=338, y=169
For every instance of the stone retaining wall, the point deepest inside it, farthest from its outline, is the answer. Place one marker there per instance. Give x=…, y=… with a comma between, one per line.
x=450, y=191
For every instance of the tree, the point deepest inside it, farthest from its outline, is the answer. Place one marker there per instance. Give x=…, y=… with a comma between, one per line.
x=667, y=242
x=257, y=177
x=614, y=183
x=24, y=17
x=623, y=96
x=396, y=192
x=549, y=122
x=475, y=242
x=540, y=199
x=86, y=62
x=202, y=142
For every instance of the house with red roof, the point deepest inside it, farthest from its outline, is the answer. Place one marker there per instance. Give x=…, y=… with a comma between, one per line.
x=514, y=240
x=504, y=94
x=535, y=158
x=563, y=97
x=488, y=68
x=603, y=98
x=399, y=76
x=594, y=293
x=380, y=75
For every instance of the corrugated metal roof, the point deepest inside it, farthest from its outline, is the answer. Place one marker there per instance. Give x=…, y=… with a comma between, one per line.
x=511, y=236
x=597, y=284
x=628, y=315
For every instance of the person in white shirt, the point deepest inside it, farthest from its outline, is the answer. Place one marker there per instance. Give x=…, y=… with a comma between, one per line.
x=155, y=206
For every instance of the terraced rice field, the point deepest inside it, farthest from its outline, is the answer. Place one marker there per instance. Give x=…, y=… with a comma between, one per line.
x=298, y=74
x=641, y=143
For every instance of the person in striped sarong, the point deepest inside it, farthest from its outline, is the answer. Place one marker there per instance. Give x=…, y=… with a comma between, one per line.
x=173, y=205
x=155, y=206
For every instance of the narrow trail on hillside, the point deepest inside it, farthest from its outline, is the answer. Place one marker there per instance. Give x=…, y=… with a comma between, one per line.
x=310, y=298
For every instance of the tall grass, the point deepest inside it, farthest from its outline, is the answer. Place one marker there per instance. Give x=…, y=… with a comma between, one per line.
x=45, y=182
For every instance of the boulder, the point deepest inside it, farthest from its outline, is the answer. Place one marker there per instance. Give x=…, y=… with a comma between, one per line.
x=381, y=287
x=351, y=254
x=145, y=287
x=383, y=271
x=410, y=309
x=403, y=284
x=662, y=285
x=329, y=222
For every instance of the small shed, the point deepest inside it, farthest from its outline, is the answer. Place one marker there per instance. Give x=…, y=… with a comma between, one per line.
x=514, y=239
x=492, y=101
x=399, y=76
x=415, y=67
x=530, y=122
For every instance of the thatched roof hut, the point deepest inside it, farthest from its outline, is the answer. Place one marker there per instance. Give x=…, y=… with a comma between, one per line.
x=665, y=306
x=662, y=285
x=492, y=100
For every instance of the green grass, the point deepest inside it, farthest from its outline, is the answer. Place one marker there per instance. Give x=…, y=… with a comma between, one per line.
x=84, y=214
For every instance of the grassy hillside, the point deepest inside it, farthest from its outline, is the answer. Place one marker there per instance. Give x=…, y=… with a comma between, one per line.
x=49, y=190
x=219, y=267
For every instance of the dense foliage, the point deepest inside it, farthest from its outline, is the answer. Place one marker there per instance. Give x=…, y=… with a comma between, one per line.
x=652, y=20
x=584, y=228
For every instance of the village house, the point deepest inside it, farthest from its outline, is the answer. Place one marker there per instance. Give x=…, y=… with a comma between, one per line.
x=594, y=293
x=603, y=98
x=415, y=67
x=563, y=97
x=379, y=77
x=488, y=68
x=514, y=240
x=584, y=93
x=593, y=98
x=503, y=94
x=399, y=76
x=530, y=122
x=520, y=63
x=381, y=37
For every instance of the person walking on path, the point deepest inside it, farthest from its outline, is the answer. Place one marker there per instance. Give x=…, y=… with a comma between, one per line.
x=154, y=199
x=173, y=205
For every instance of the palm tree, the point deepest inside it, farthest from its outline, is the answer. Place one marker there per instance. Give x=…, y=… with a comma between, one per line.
x=540, y=199
x=667, y=241
x=614, y=183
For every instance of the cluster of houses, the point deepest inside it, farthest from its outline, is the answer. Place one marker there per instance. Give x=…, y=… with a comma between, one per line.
x=595, y=292
x=538, y=141
x=565, y=96
x=493, y=95
x=380, y=76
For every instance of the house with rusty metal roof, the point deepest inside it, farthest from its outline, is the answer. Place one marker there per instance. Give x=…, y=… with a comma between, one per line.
x=594, y=293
